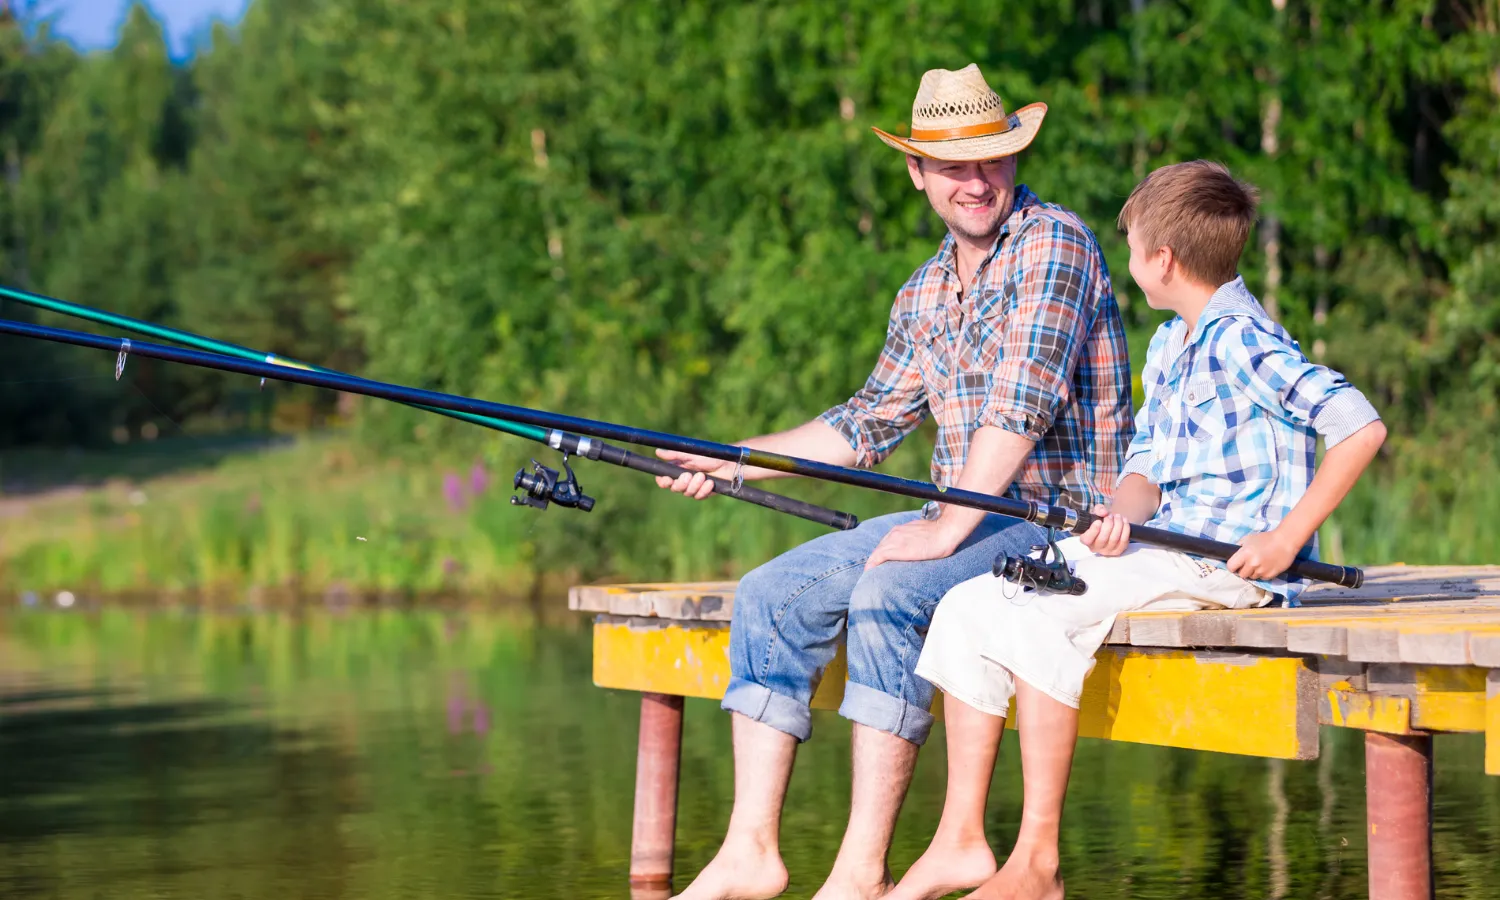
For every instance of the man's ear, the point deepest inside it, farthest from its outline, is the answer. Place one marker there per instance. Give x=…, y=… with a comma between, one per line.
x=914, y=169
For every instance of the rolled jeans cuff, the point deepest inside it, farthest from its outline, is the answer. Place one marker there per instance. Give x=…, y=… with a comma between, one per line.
x=879, y=710
x=758, y=702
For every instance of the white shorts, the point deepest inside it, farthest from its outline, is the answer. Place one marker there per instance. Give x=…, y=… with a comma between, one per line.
x=987, y=632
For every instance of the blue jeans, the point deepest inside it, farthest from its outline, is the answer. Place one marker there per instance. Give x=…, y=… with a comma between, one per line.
x=791, y=613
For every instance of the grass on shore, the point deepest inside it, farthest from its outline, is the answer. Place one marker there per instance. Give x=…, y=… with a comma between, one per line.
x=323, y=513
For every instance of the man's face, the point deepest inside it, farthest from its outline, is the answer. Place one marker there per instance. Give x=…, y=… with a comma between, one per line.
x=972, y=198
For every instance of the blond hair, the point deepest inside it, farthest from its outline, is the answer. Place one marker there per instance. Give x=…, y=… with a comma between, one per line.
x=1200, y=211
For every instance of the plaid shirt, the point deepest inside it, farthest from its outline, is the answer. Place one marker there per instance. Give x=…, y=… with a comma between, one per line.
x=1230, y=426
x=1036, y=348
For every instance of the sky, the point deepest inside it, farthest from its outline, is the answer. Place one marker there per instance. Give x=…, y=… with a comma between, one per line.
x=93, y=24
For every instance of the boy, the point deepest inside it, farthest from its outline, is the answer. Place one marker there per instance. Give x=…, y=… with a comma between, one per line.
x=1224, y=448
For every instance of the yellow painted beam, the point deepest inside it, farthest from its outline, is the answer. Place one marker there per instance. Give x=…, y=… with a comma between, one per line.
x=1344, y=707
x=686, y=659
x=1258, y=706
x=1443, y=698
x=1449, y=698
x=1492, y=725
x=658, y=656
x=1230, y=703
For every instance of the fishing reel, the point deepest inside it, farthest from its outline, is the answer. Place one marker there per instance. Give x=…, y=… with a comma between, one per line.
x=544, y=485
x=1041, y=574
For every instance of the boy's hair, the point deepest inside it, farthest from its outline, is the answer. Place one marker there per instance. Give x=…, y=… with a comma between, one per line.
x=1199, y=210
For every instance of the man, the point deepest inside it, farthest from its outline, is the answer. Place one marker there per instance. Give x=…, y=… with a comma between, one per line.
x=1011, y=339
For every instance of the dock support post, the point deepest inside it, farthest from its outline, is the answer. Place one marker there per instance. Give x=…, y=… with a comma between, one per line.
x=1398, y=810
x=657, y=757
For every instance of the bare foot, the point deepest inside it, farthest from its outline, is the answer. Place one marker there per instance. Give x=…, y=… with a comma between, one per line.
x=945, y=867
x=847, y=886
x=1024, y=876
x=740, y=872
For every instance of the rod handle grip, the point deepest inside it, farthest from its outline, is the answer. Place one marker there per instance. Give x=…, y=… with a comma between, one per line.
x=832, y=518
x=1344, y=576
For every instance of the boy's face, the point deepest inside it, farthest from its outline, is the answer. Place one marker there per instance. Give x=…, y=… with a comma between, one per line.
x=1151, y=270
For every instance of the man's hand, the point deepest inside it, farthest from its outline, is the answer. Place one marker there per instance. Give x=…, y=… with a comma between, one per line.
x=1264, y=555
x=1109, y=535
x=694, y=482
x=915, y=542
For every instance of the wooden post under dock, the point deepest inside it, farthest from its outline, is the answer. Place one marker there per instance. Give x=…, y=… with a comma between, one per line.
x=1398, y=812
x=1413, y=653
x=658, y=752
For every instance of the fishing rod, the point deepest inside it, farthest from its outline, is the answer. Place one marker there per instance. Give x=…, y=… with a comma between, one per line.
x=541, y=486
x=1059, y=517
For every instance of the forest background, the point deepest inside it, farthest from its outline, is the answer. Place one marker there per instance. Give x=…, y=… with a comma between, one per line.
x=671, y=214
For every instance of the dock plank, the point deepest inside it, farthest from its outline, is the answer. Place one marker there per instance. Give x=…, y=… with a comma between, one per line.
x=1427, y=640
x=1404, y=583
x=1484, y=649
x=1267, y=627
x=1385, y=586
x=695, y=601
x=1327, y=632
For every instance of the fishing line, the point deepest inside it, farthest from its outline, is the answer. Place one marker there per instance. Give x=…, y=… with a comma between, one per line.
x=58, y=380
x=176, y=426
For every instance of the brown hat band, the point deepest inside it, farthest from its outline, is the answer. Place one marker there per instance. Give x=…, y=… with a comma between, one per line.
x=966, y=131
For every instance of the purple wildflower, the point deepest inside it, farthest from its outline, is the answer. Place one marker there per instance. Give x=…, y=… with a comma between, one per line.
x=453, y=492
x=479, y=479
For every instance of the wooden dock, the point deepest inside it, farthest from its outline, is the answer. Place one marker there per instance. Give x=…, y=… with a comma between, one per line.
x=1413, y=653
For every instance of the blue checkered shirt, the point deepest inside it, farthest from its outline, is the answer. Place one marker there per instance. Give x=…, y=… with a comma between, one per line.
x=1230, y=426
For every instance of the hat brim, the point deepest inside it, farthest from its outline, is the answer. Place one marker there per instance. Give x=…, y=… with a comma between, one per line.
x=974, y=149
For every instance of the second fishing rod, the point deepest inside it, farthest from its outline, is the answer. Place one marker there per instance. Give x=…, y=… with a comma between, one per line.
x=542, y=485
x=1074, y=521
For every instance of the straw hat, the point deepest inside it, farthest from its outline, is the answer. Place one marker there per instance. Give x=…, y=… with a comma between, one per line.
x=957, y=117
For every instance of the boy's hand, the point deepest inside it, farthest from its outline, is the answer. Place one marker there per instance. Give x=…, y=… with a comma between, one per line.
x=1264, y=555
x=1109, y=535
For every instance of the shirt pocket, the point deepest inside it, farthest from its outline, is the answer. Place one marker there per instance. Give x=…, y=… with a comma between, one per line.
x=983, y=341
x=929, y=339
x=1203, y=409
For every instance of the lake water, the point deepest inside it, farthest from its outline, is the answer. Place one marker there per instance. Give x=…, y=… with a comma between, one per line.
x=465, y=754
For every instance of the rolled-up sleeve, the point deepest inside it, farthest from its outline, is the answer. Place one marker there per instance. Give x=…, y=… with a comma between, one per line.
x=1280, y=379
x=1048, y=316
x=890, y=406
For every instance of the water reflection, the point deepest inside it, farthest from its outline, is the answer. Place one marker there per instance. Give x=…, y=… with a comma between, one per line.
x=385, y=754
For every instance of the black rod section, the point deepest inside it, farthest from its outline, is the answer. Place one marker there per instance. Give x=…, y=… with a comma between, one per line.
x=588, y=448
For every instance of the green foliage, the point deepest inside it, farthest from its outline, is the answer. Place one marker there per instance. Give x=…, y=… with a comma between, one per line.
x=674, y=214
